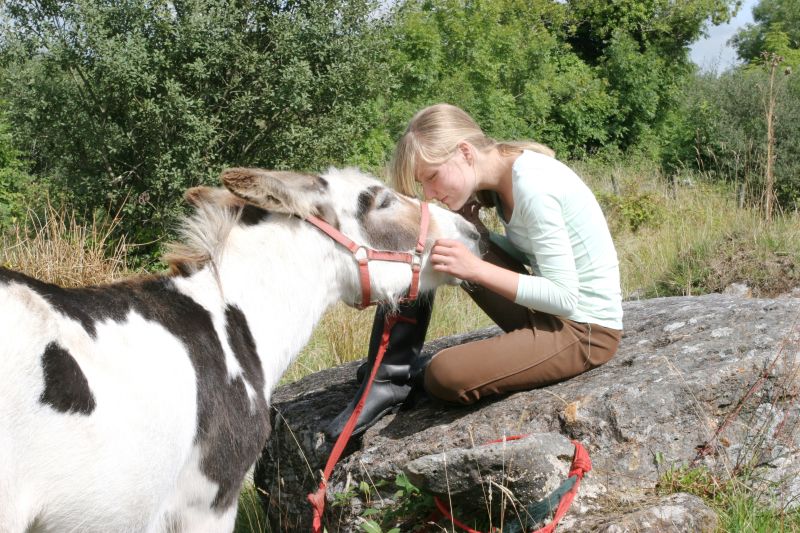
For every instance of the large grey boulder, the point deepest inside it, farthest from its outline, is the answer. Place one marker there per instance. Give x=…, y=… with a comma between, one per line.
x=705, y=381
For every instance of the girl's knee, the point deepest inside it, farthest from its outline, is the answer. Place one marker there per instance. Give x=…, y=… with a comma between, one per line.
x=442, y=380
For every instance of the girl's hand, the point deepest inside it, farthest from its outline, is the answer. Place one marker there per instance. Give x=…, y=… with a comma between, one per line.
x=452, y=257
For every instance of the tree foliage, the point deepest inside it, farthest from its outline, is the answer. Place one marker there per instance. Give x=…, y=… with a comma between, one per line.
x=666, y=25
x=584, y=77
x=727, y=136
x=721, y=125
x=775, y=28
x=17, y=186
x=640, y=50
x=127, y=103
x=503, y=61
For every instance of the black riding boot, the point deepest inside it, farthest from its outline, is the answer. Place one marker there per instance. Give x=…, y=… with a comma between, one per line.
x=393, y=379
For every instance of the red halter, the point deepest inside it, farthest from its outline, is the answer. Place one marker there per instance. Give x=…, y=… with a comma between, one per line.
x=364, y=254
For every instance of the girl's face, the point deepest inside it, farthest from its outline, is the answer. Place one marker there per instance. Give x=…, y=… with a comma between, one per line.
x=452, y=183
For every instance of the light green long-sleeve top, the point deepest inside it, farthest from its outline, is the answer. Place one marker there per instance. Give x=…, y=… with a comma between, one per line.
x=559, y=226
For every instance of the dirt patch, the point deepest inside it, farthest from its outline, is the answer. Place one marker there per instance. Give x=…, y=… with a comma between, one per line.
x=767, y=273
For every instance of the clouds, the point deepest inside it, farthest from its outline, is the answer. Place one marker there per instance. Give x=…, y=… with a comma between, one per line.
x=713, y=53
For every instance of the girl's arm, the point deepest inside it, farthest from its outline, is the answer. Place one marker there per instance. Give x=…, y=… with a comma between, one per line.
x=555, y=290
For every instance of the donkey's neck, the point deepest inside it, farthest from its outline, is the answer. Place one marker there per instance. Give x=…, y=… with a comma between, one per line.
x=283, y=281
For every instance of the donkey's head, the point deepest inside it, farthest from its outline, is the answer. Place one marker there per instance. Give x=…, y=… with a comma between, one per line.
x=364, y=210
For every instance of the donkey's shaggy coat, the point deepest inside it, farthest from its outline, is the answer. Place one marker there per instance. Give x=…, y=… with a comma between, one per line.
x=140, y=406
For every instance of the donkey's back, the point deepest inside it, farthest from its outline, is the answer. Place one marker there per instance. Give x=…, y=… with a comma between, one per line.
x=139, y=406
x=100, y=389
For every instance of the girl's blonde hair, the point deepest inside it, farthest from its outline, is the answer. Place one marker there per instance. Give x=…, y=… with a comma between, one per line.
x=433, y=136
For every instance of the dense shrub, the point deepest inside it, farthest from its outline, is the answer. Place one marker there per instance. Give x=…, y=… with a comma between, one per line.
x=631, y=212
x=724, y=133
x=18, y=192
x=126, y=104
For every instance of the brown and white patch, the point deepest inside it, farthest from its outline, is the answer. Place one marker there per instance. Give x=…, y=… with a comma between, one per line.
x=389, y=220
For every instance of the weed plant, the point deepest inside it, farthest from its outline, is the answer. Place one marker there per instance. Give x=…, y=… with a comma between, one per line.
x=250, y=517
x=738, y=506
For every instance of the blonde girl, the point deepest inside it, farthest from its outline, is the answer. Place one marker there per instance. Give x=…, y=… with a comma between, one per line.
x=561, y=314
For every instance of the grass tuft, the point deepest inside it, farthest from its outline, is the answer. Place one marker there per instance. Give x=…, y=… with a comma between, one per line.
x=250, y=517
x=739, y=507
x=54, y=247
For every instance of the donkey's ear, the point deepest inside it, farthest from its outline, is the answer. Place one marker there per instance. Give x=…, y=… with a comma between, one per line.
x=212, y=195
x=276, y=190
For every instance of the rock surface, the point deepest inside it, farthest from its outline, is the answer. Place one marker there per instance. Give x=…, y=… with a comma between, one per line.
x=669, y=514
x=703, y=381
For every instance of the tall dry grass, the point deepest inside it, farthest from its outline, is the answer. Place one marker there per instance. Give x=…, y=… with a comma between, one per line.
x=701, y=241
x=56, y=248
x=343, y=334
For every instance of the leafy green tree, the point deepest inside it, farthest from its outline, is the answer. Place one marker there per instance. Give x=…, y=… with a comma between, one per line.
x=666, y=25
x=18, y=191
x=777, y=42
x=127, y=103
x=505, y=62
x=640, y=85
x=775, y=28
x=641, y=49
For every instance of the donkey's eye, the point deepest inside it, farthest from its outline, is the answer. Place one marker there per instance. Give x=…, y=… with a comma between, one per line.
x=385, y=201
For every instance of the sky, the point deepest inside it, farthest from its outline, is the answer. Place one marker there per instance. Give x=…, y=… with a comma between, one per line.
x=712, y=53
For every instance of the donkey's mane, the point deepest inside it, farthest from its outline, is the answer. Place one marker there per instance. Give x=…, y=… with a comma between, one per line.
x=202, y=237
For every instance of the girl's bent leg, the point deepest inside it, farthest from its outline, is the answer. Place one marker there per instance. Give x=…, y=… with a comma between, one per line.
x=508, y=315
x=550, y=351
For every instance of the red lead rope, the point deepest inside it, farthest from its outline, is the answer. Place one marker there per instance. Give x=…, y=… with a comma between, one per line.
x=317, y=499
x=580, y=465
x=580, y=461
x=363, y=256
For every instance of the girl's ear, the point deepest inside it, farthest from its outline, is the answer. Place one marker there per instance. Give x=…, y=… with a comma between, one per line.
x=466, y=150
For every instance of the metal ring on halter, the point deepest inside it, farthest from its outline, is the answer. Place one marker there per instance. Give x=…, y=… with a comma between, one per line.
x=361, y=254
x=364, y=254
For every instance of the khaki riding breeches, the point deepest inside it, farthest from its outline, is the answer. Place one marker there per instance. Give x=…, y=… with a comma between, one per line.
x=537, y=349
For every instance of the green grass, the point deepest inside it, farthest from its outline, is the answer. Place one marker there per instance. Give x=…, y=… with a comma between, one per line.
x=250, y=517
x=739, y=507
